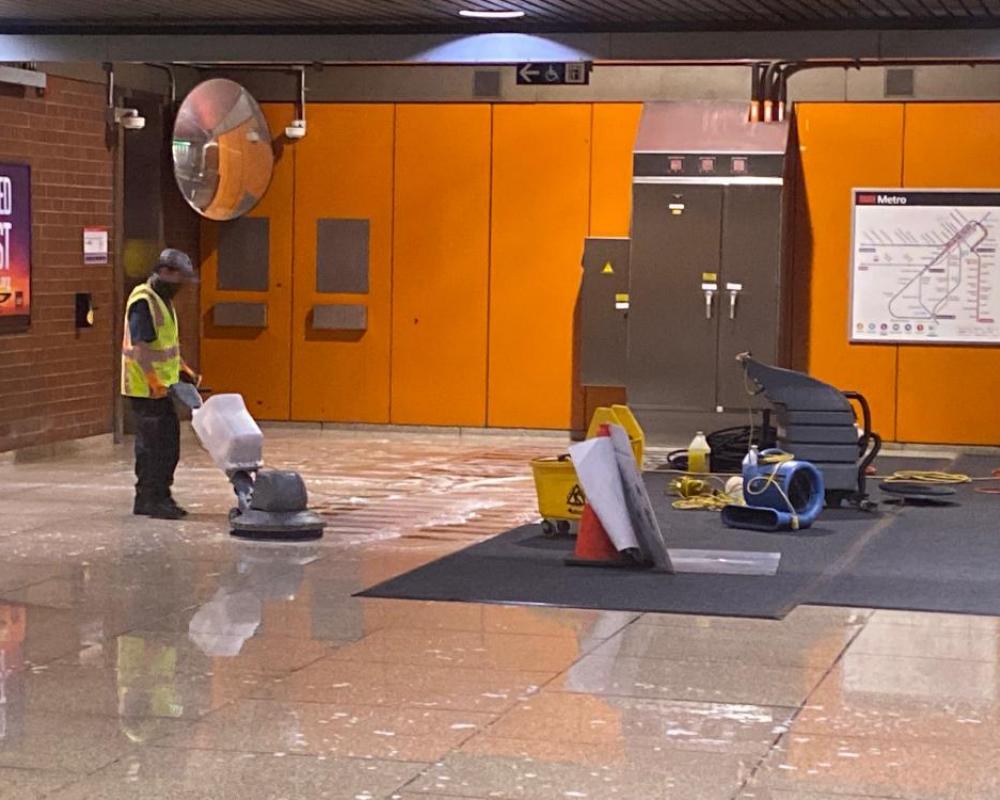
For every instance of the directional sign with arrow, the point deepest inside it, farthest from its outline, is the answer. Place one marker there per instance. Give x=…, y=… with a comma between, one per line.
x=574, y=73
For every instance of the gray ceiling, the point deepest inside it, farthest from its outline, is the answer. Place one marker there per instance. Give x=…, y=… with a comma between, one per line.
x=442, y=15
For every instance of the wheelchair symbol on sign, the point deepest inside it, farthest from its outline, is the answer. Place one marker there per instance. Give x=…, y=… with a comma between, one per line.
x=551, y=74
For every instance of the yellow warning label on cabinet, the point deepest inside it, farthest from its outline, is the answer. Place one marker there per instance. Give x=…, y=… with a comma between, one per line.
x=608, y=269
x=621, y=298
x=709, y=277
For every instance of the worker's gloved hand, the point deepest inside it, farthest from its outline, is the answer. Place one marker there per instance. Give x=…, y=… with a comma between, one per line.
x=156, y=389
x=188, y=375
x=192, y=377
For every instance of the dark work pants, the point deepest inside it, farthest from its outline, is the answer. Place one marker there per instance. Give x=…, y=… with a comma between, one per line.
x=157, y=446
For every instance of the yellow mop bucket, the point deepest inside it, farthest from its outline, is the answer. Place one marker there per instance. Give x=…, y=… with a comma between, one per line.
x=560, y=496
x=623, y=416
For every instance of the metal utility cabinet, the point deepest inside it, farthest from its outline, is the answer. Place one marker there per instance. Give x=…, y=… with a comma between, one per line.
x=706, y=266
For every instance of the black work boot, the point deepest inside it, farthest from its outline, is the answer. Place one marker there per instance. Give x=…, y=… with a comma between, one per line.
x=173, y=504
x=165, y=509
x=142, y=505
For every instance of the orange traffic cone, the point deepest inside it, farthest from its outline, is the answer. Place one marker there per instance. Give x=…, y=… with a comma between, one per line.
x=593, y=545
x=592, y=541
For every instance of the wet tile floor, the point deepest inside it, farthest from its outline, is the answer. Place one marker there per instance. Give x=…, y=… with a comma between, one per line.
x=149, y=660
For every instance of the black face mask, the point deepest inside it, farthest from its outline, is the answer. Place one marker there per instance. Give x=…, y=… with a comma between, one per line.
x=165, y=290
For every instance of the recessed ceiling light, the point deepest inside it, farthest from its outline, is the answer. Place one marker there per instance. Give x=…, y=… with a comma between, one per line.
x=465, y=12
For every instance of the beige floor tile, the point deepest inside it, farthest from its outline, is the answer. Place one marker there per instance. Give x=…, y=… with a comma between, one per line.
x=78, y=744
x=756, y=792
x=153, y=599
x=42, y=635
x=18, y=576
x=156, y=774
x=703, y=681
x=907, y=698
x=774, y=648
x=399, y=734
x=489, y=651
x=933, y=620
x=203, y=652
x=32, y=784
x=586, y=719
x=357, y=683
x=563, y=622
x=146, y=686
x=810, y=620
x=103, y=539
x=927, y=641
x=407, y=795
x=532, y=770
x=882, y=768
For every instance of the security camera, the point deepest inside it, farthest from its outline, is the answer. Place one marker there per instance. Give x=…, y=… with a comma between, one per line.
x=130, y=119
x=296, y=130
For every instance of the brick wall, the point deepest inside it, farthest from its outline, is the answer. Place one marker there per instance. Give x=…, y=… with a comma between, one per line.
x=56, y=382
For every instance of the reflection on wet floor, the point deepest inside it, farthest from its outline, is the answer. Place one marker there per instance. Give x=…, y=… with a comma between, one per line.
x=147, y=659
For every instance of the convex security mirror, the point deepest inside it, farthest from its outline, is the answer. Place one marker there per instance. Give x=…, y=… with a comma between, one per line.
x=222, y=151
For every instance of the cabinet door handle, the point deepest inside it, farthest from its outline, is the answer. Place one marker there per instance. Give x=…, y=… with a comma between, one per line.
x=709, y=289
x=734, y=290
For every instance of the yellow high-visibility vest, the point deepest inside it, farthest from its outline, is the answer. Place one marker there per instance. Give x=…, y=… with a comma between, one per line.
x=166, y=346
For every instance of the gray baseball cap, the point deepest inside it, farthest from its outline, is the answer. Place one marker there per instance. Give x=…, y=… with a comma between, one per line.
x=177, y=260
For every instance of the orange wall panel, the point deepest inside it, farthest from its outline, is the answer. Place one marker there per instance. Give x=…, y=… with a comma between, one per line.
x=614, y=131
x=441, y=264
x=949, y=394
x=842, y=146
x=255, y=363
x=344, y=169
x=541, y=215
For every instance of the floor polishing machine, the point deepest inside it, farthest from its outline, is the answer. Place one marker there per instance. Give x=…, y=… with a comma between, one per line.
x=270, y=504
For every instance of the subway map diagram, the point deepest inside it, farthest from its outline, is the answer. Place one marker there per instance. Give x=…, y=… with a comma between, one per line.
x=924, y=266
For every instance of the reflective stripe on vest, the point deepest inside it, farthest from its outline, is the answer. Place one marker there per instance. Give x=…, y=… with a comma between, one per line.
x=165, y=348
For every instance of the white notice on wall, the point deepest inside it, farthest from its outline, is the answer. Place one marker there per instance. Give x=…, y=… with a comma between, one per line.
x=95, y=245
x=924, y=266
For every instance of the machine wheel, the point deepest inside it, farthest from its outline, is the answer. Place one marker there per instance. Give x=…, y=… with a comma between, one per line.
x=563, y=527
x=548, y=529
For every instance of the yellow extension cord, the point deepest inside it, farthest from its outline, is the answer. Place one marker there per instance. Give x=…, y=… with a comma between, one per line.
x=928, y=476
x=697, y=494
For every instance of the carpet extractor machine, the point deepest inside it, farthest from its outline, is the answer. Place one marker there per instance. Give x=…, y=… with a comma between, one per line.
x=818, y=424
x=270, y=504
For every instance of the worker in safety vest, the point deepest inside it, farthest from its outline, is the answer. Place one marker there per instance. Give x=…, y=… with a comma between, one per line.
x=151, y=364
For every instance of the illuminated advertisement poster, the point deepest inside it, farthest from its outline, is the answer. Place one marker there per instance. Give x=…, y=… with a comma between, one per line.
x=15, y=246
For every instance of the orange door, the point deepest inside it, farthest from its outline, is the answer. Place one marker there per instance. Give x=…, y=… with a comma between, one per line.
x=255, y=361
x=615, y=129
x=842, y=146
x=441, y=264
x=541, y=215
x=343, y=173
x=950, y=394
